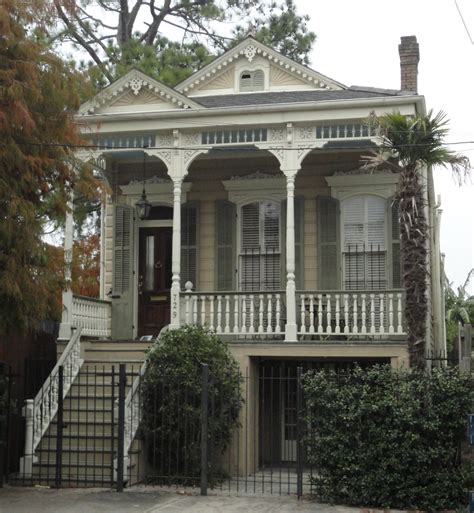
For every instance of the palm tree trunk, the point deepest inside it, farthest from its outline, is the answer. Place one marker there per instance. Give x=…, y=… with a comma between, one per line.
x=413, y=255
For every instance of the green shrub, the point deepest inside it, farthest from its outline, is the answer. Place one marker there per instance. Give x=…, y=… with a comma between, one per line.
x=171, y=398
x=388, y=439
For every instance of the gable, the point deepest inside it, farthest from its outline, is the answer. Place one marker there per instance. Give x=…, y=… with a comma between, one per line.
x=224, y=74
x=136, y=92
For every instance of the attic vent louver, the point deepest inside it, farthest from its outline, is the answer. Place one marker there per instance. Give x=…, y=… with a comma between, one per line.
x=252, y=80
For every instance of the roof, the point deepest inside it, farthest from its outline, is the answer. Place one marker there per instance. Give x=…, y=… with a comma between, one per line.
x=236, y=100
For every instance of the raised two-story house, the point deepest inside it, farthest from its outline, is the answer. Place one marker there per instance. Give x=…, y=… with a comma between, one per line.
x=238, y=201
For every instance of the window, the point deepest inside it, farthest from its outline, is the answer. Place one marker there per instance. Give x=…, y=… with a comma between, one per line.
x=364, y=252
x=252, y=80
x=260, y=251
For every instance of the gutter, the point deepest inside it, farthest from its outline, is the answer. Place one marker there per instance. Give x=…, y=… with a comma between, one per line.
x=282, y=108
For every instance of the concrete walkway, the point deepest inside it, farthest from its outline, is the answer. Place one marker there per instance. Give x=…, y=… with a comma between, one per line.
x=44, y=500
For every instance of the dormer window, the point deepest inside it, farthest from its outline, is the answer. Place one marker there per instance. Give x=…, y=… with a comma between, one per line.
x=252, y=80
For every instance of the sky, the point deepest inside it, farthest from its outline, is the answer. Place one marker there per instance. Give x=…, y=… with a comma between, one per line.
x=357, y=44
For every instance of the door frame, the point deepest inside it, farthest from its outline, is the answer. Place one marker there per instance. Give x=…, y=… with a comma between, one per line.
x=155, y=223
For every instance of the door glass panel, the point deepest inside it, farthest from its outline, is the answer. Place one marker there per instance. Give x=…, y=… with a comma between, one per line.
x=149, y=262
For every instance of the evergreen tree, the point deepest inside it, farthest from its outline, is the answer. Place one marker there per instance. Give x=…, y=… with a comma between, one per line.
x=38, y=97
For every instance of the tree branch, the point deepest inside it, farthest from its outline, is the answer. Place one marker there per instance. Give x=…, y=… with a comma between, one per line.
x=82, y=41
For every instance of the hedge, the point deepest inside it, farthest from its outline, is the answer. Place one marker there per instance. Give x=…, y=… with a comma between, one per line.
x=389, y=439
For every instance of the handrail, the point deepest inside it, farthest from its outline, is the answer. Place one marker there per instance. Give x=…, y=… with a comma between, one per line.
x=45, y=404
x=92, y=315
x=94, y=299
x=133, y=409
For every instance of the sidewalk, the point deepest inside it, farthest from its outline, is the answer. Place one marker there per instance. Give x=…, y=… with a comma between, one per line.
x=44, y=500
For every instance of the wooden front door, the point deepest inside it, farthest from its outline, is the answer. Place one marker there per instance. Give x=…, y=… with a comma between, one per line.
x=154, y=280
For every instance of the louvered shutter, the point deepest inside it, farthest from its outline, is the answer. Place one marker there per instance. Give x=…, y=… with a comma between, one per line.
x=252, y=81
x=189, y=238
x=258, y=80
x=122, y=278
x=364, y=257
x=299, y=242
x=225, y=245
x=327, y=212
x=395, y=235
x=270, y=213
x=259, y=266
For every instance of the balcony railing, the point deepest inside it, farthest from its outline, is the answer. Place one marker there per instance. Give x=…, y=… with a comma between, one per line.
x=351, y=312
x=235, y=313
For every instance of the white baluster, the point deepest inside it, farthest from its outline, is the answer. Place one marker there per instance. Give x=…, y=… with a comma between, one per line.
x=328, y=314
x=320, y=314
x=277, y=314
x=399, y=313
x=244, y=313
x=390, y=313
x=355, y=327
x=260, y=314
x=236, y=314
x=363, y=328
x=252, y=314
x=338, y=314
x=187, y=303
x=303, y=320
x=346, y=313
x=219, y=315
x=311, y=313
x=203, y=310
x=195, y=310
x=211, y=313
x=227, y=314
x=382, y=316
x=372, y=313
x=269, y=313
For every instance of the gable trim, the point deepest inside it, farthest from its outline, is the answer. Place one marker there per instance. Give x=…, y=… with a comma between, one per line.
x=249, y=48
x=136, y=81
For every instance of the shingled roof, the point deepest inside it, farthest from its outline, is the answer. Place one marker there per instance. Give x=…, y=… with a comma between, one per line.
x=236, y=100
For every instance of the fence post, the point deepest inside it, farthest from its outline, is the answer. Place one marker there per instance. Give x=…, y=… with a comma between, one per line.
x=59, y=428
x=465, y=348
x=204, y=430
x=121, y=427
x=299, y=434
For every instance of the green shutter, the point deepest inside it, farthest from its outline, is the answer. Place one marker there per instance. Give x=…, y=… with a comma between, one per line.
x=225, y=230
x=122, y=277
x=189, y=243
x=395, y=234
x=299, y=242
x=327, y=219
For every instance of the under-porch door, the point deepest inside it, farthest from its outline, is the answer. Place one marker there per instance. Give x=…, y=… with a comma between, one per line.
x=154, y=279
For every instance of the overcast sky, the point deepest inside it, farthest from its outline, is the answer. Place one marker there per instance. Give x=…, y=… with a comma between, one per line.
x=358, y=45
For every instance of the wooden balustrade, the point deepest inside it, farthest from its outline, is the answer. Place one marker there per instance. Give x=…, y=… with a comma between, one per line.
x=236, y=313
x=360, y=312
x=92, y=315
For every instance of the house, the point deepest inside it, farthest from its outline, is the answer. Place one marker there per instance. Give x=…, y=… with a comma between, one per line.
x=255, y=217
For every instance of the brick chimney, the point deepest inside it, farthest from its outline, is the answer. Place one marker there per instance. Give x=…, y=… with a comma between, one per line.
x=409, y=52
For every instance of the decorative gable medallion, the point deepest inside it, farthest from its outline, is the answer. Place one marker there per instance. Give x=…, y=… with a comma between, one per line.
x=133, y=89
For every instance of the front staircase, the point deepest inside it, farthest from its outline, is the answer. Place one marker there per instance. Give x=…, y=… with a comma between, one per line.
x=90, y=427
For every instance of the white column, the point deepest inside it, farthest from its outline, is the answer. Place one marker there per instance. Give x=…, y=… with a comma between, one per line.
x=176, y=258
x=66, y=320
x=290, y=328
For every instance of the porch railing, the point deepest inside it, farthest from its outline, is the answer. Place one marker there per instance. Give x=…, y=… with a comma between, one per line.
x=351, y=312
x=92, y=315
x=235, y=313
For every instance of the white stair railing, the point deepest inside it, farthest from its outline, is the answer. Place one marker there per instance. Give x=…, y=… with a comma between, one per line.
x=40, y=411
x=133, y=412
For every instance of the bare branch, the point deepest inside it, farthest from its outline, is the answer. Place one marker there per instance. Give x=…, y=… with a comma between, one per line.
x=81, y=41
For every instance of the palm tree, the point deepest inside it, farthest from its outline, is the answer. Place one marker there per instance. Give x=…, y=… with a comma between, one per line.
x=408, y=146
